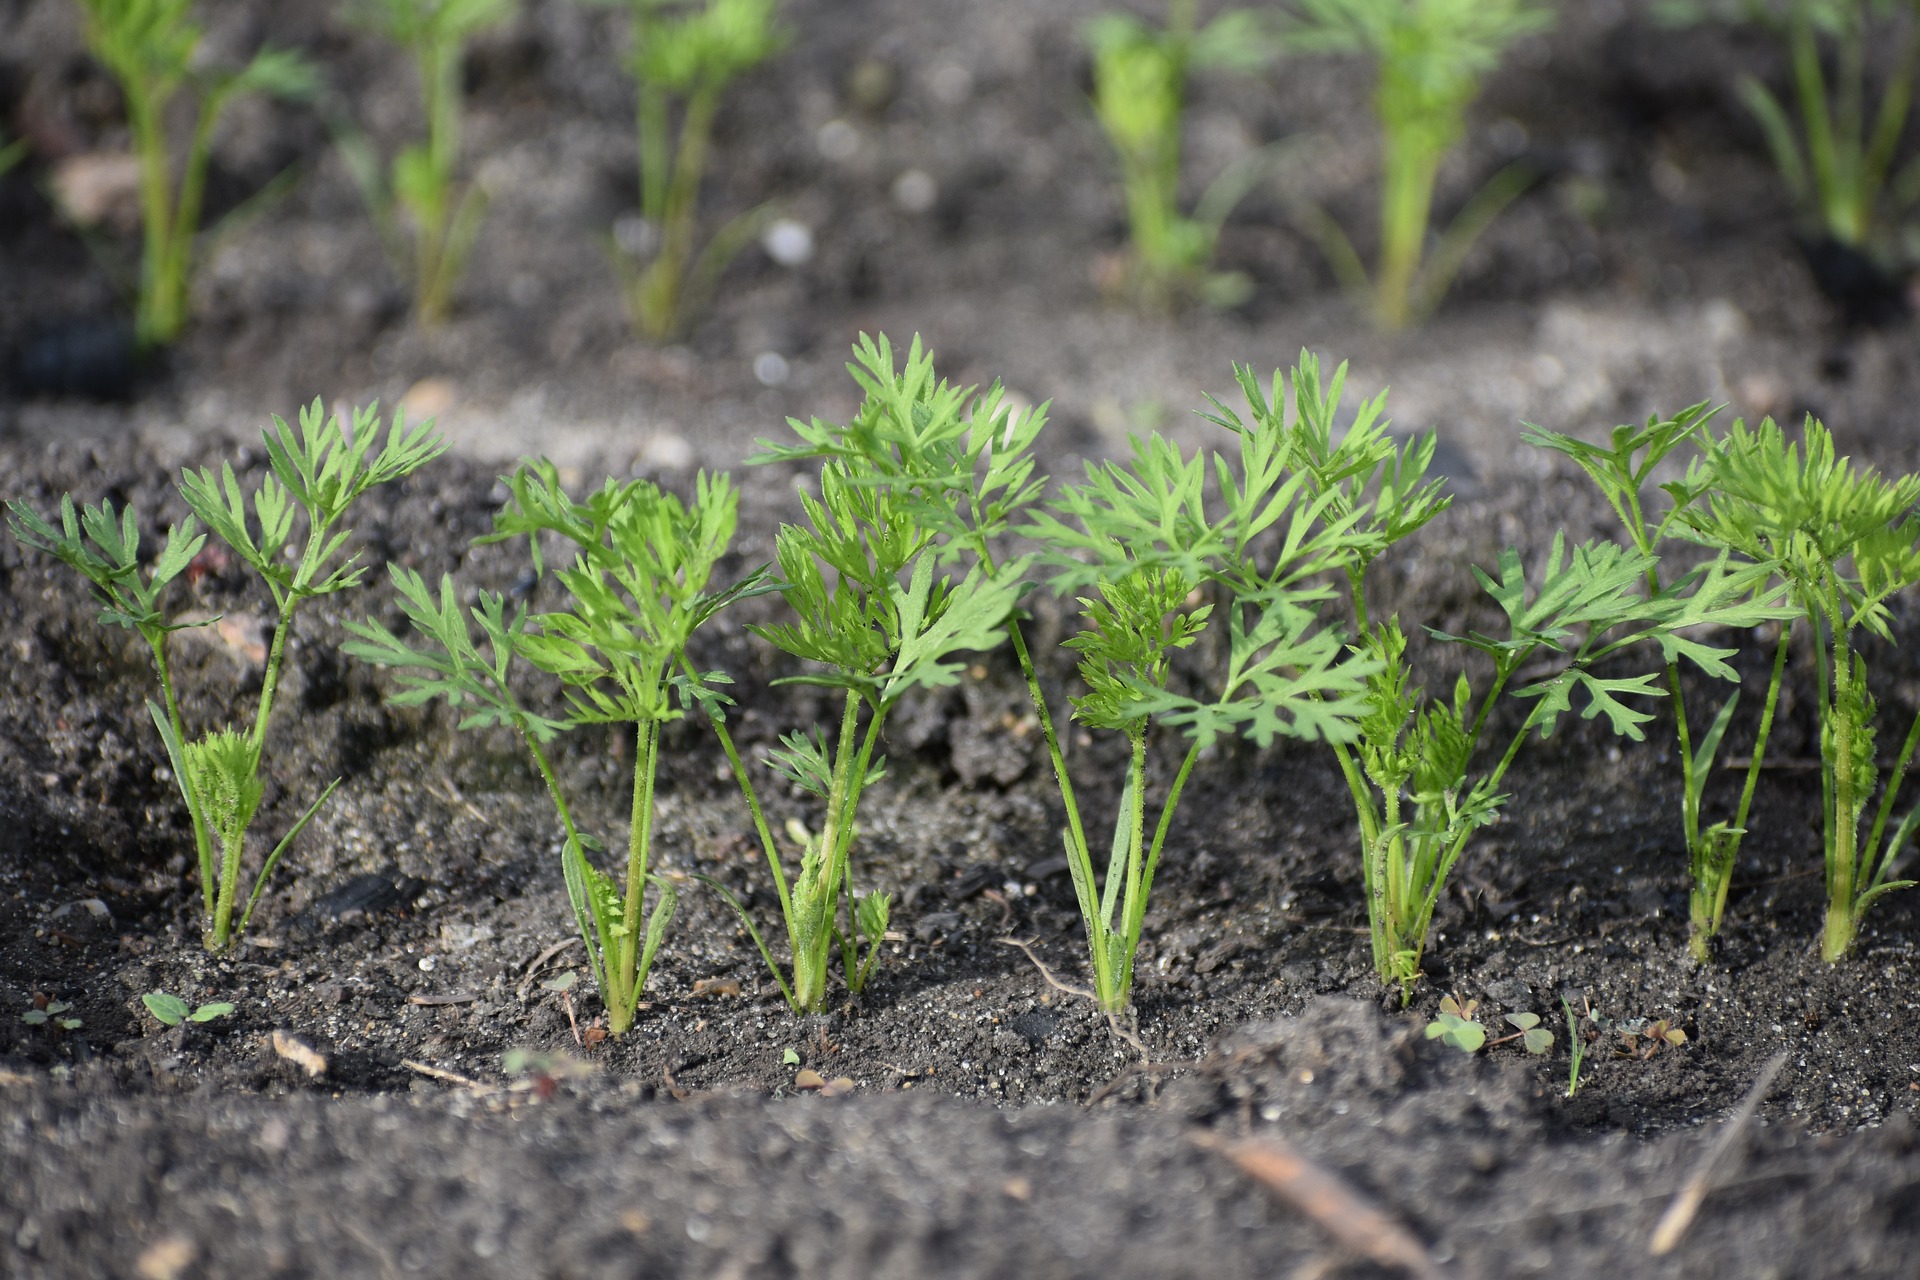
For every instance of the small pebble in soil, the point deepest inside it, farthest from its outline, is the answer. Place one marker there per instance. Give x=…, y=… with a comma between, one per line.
x=788, y=243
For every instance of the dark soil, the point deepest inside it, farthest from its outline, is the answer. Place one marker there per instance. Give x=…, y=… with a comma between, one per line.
x=407, y=937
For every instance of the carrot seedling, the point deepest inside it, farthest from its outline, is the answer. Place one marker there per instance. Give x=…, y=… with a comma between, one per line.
x=1412, y=775
x=684, y=54
x=1622, y=469
x=1431, y=57
x=1836, y=158
x=1158, y=560
x=152, y=48
x=637, y=590
x=873, y=622
x=315, y=473
x=1845, y=540
x=427, y=218
x=1140, y=77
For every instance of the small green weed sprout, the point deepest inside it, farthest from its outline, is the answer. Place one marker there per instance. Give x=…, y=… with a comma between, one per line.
x=152, y=49
x=1458, y=1024
x=1140, y=95
x=1411, y=772
x=1533, y=1037
x=48, y=1013
x=637, y=590
x=1432, y=55
x=1644, y=1037
x=1837, y=158
x=1576, y=1044
x=1845, y=540
x=315, y=472
x=1139, y=537
x=171, y=1010
x=1622, y=469
x=685, y=52
x=427, y=218
x=870, y=614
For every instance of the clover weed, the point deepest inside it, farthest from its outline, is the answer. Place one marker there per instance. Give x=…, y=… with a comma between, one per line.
x=152, y=48
x=685, y=52
x=1845, y=540
x=315, y=472
x=1837, y=157
x=427, y=218
x=637, y=588
x=1140, y=95
x=1431, y=56
x=1622, y=470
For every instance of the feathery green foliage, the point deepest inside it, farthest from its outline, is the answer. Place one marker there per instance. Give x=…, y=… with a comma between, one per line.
x=1845, y=540
x=1837, y=158
x=151, y=47
x=685, y=53
x=426, y=216
x=1432, y=56
x=315, y=473
x=1140, y=95
x=1622, y=470
x=1416, y=790
x=1161, y=551
x=638, y=587
x=871, y=620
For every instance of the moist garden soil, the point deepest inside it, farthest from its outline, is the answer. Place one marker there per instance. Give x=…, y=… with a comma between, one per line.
x=353, y=1115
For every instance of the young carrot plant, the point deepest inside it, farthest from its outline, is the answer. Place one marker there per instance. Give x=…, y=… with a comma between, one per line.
x=637, y=589
x=874, y=623
x=1140, y=95
x=1837, y=157
x=1140, y=536
x=1411, y=773
x=1845, y=540
x=1431, y=56
x=152, y=49
x=1622, y=470
x=427, y=218
x=685, y=52
x=315, y=472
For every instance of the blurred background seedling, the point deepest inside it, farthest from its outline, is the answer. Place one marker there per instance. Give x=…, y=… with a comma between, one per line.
x=683, y=56
x=1140, y=75
x=427, y=217
x=152, y=48
x=1836, y=148
x=1430, y=57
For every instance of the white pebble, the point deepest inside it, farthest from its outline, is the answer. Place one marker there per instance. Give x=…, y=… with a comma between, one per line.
x=788, y=243
x=770, y=368
x=915, y=191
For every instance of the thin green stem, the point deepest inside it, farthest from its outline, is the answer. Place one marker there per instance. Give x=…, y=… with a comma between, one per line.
x=639, y=847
